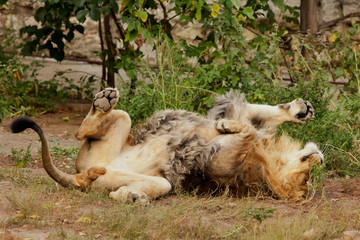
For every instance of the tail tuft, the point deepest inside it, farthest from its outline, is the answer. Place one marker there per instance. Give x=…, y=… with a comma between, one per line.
x=21, y=123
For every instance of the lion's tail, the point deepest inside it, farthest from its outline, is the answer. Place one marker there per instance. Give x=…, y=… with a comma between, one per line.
x=66, y=180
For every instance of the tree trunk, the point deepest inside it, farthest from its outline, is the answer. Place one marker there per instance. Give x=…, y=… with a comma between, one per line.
x=308, y=17
x=110, y=63
x=103, y=55
x=308, y=22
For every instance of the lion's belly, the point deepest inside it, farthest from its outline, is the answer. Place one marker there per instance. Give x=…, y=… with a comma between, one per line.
x=147, y=158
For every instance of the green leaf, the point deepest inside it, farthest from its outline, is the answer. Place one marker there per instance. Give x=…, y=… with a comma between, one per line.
x=114, y=6
x=146, y=34
x=69, y=36
x=215, y=10
x=236, y=3
x=280, y=4
x=307, y=46
x=79, y=28
x=130, y=36
x=2, y=2
x=339, y=71
x=133, y=35
x=142, y=15
x=81, y=15
x=106, y=10
x=198, y=14
x=57, y=54
x=249, y=13
x=95, y=13
x=79, y=3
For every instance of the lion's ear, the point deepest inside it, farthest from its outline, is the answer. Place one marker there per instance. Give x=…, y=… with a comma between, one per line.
x=285, y=106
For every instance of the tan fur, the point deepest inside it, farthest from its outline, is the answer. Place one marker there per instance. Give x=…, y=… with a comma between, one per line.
x=234, y=146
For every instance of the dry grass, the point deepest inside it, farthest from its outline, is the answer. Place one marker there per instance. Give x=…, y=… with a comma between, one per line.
x=35, y=200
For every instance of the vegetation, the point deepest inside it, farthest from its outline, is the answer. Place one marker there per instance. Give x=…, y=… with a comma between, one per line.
x=70, y=214
x=224, y=60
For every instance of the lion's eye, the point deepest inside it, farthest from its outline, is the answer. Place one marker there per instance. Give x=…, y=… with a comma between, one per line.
x=305, y=158
x=305, y=181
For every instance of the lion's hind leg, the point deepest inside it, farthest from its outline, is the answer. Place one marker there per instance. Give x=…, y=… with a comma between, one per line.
x=130, y=186
x=103, y=103
x=105, y=131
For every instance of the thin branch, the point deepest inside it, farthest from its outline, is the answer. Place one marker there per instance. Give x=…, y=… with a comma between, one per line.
x=110, y=53
x=164, y=10
x=118, y=25
x=183, y=12
x=335, y=21
x=251, y=30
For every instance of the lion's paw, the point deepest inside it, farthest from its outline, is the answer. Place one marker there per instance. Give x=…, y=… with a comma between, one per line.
x=95, y=172
x=299, y=109
x=127, y=195
x=84, y=179
x=306, y=111
x=106, y=99
x=229, y=126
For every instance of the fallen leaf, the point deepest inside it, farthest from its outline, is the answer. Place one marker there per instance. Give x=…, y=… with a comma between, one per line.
x=84, y=220
x=35, y=216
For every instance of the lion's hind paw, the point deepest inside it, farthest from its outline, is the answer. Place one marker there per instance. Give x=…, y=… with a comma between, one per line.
x=127, y=195
x=84, y=179
x=106, y=99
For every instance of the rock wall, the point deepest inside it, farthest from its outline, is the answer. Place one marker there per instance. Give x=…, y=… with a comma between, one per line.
x=17, y=14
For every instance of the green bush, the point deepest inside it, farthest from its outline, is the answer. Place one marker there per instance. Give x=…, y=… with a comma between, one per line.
x=253, y=68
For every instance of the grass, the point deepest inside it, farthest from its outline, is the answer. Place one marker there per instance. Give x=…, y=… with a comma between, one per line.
x=35, y=200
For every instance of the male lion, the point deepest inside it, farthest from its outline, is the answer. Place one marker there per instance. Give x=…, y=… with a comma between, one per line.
x=233, y=146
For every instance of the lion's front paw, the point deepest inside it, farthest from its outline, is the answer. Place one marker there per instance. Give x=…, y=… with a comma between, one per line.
x=229, y=126
x=128, y=195
x=306, y=111
x=106, y=99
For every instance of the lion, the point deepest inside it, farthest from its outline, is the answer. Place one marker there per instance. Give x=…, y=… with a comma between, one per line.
x=234, y=146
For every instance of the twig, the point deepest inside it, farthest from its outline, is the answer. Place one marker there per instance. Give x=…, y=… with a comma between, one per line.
x=183, y=12
x=118, y=25
x=253, y=31
x=335, y=21
x=164, y=9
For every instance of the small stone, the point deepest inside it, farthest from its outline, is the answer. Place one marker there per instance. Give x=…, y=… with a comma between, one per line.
x=309, y=234
x=351, y=235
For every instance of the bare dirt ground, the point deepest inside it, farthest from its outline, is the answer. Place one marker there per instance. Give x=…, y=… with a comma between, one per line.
x=339, y=197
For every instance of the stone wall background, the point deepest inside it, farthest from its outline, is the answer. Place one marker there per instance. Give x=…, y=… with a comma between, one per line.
x=17, y=14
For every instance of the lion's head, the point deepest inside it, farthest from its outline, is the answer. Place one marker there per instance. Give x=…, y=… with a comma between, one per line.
x=287, y=167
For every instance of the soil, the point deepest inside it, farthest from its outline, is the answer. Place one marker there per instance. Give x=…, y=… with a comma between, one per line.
x=60, y=129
